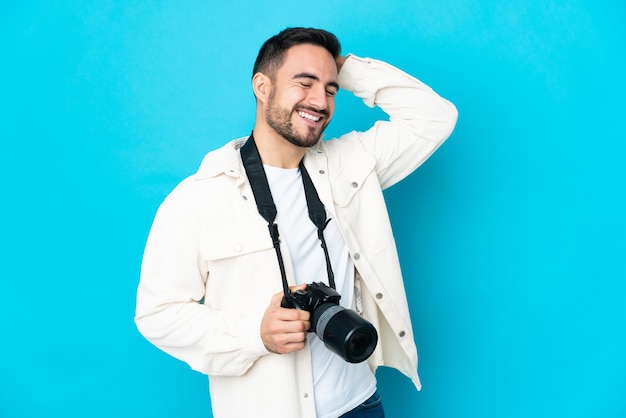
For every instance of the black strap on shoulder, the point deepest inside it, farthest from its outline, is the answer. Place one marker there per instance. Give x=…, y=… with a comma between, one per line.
x=266, y=207
x=263, y=197
x=258, y=180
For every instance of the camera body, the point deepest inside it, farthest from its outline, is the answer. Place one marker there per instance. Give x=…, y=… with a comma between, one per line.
x=311, y=298
x=342, y=330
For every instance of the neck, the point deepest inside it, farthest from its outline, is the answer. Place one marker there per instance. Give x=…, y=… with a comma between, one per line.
x=275, y=150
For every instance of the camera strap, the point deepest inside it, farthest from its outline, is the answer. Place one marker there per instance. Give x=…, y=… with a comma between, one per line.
x=266, y=207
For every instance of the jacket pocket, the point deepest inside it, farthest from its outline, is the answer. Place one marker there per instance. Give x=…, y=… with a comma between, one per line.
x=220, y=245
x=350, y=181
x=242, y=274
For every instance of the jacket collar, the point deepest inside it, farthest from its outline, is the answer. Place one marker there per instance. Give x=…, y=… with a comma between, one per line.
x=226, y=160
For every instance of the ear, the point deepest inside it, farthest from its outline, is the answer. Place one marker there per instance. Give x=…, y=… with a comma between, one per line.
x=261, y=86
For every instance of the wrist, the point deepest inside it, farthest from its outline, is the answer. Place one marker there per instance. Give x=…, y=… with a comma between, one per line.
x=339, y=60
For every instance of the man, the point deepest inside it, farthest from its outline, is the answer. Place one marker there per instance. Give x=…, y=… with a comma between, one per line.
x=210, y=289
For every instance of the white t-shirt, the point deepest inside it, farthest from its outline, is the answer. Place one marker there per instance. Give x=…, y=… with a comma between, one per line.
x=339, y=386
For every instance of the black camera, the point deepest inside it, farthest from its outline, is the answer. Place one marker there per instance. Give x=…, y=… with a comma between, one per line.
x=342, y=330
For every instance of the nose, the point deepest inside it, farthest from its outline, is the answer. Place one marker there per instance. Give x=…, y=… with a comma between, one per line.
x=318, y=98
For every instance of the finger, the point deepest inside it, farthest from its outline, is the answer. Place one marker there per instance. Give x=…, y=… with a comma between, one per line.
x=296, y=327
x=278, y=297
x=277, y=313
x=289, y=347
x=285, y=343
x=290, y=338
x=287, y=314
x=298, y=287
x=278, y=326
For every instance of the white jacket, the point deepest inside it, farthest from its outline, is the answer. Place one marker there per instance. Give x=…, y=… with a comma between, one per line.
x=209, y=268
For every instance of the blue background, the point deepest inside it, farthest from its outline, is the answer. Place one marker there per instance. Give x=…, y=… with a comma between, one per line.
x=512, y=237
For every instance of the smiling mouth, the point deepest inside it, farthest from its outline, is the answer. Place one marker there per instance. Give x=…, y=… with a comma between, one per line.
x=309, y=116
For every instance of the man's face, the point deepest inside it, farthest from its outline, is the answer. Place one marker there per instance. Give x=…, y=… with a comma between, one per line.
x=302, y=99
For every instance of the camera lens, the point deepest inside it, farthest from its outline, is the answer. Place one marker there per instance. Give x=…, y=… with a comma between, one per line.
x=344, y=332
x=359, y=342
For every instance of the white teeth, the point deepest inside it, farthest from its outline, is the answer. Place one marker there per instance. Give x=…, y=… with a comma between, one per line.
x=309, y=117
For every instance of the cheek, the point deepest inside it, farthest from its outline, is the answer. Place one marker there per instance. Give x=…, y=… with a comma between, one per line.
x=294, y=95
x=297, y=97
x=288, y=98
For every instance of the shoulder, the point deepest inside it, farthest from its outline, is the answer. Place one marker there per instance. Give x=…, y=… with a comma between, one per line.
x=221, y=160
x=219, y=172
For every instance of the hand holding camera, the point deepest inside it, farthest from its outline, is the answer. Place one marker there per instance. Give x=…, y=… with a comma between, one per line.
x=342, y=330
x=284, y=330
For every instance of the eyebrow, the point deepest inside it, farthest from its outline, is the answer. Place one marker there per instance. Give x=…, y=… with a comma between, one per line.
x=316, y=78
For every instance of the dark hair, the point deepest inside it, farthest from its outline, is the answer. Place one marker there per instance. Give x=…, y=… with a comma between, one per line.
x=272, y=53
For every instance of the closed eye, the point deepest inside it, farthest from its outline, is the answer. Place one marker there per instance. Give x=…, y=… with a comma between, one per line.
x=306, y=81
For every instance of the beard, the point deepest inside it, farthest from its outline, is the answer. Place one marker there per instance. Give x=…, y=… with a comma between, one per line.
x=279, y=119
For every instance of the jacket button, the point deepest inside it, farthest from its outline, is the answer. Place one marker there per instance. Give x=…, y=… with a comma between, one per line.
x=402, y=334
x=379, y=295
x=238, y=248
x=322, y=171
x=357, y=256
x=355, y=184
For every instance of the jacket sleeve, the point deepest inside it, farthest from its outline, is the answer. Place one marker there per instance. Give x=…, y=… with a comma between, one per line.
x=170, y=312
x=419, y=119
